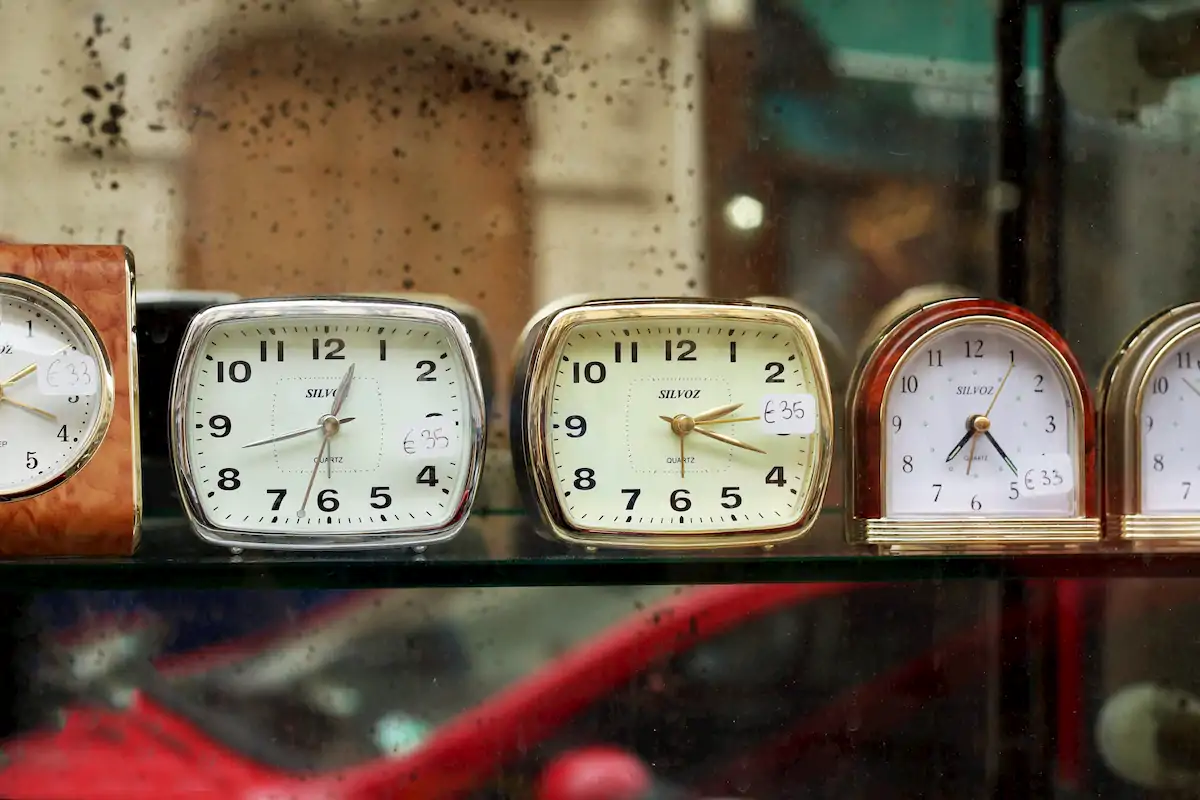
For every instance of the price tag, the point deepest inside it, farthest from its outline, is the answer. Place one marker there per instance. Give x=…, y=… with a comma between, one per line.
x=67, y=373
x=427, y=437
x=789, y=413
x=1047, y=475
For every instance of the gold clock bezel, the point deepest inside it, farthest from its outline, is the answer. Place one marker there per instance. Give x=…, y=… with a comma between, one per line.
x=42, y=294
x=1123, y=392
x=542, y=355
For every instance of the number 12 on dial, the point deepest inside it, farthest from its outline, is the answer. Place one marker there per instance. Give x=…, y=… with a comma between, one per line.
x=972, y=426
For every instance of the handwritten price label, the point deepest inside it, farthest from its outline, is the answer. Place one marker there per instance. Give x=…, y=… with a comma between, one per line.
x=1047, y=475
x=427, y=437
x=789, y=413
x=68, y=373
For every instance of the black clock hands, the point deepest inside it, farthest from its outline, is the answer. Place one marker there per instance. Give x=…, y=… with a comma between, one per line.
x=961, y=443
x=1000, y=450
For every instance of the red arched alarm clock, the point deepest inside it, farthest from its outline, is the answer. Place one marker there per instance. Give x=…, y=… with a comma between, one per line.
x=971, y=425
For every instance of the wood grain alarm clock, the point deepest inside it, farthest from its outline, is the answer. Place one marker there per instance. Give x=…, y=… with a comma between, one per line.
x=69, y=454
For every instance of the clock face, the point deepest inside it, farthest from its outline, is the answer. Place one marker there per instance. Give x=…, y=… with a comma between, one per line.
x=684, y=424
x=55, y=391
x=350, y=424
x=980, y=420
x=1169, y=456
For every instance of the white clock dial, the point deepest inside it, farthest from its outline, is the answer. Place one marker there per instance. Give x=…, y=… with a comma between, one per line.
x=392, y=395
x=1170, y=456
x=980, y=421
x=54, y=395
x=616, y=461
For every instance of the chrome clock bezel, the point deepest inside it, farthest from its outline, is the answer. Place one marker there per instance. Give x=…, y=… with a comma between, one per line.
x=396, y=311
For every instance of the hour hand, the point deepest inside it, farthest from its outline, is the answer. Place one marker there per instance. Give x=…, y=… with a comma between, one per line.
x=961, y=444
x=720, y=437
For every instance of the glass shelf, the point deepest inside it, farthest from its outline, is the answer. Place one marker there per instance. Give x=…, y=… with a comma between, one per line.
x=500, y=548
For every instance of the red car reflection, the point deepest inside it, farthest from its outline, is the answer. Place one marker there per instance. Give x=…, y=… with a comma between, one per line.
x=814, y=690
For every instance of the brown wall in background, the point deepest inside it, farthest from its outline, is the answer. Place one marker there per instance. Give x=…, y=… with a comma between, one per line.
x=320, y=167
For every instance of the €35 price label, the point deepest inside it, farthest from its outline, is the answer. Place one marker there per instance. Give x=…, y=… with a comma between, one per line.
x=788, y=413
x=431, y=436
x=67, y=373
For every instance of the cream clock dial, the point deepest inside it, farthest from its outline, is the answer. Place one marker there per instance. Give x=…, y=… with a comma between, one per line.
x=980, y=422
x=55, y=389
x=336, y=423
x=1169, y=465
x=663, y=422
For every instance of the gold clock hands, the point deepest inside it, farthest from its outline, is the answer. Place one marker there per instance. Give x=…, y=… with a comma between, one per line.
x=682, y=462
x=29, y=370
x=729, y=420
x=339, y=397
x=999, y=389
x=31, y=409
x=971, y=453
x=728, y=440
x=716, y=413
x=294, y=434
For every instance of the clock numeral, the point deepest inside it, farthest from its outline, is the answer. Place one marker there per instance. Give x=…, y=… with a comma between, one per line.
x=62, y=433
x=239, y=371
x=1158, y=464
x=334, y=348
x=578, y=424
x=383, y=349
x=221, y=426
x=1160, y=386
x=730, y=494
x=1051, y=427
x=906, y=464
x=634, y=494
x=279, y=495
x=1149, y=423
x=686, y=350
x=1037, y=386
x=263, y=349
x=732, y=352
x=28, y=329
x=585, y=479
x=229, y=479
x=775, y=476
x=909, y=384
x=774, y=372
x=897, y=423
x=427, y=476
x=632, y=352
x=327, y=500
x=1187, y=489
x=1184, y=360
x=593, y=372
x=975, y=504
x=31, y=461
x=974, y=348
x=1016, y=490
x=73, y=398
x=380, y=493
x=429, y=368
x=935, y=358
x=937, y=492
x=680, y=500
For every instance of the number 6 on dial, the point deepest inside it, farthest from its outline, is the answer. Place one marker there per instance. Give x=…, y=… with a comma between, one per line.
x=971, y=426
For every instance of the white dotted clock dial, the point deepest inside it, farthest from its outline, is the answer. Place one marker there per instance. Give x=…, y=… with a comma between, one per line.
x=329, y=425
x=980, y=421
x=620, y=465
x=52, y=390
x=1169, y=453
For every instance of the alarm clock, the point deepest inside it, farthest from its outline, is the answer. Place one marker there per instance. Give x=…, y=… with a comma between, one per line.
x=327, y=423
x=1150, y=409
x=162, y=318
x=70, y=482
x=672, y=424
x=971, y=425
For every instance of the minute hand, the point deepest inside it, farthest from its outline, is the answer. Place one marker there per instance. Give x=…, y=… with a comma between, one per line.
x=293, y=434
x=720, y=437
x=1000, y=450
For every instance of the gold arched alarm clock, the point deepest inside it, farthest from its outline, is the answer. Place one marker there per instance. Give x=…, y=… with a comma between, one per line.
x=672, y=424
x=69, y=460
x=971, y=425
x=1151, y=411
